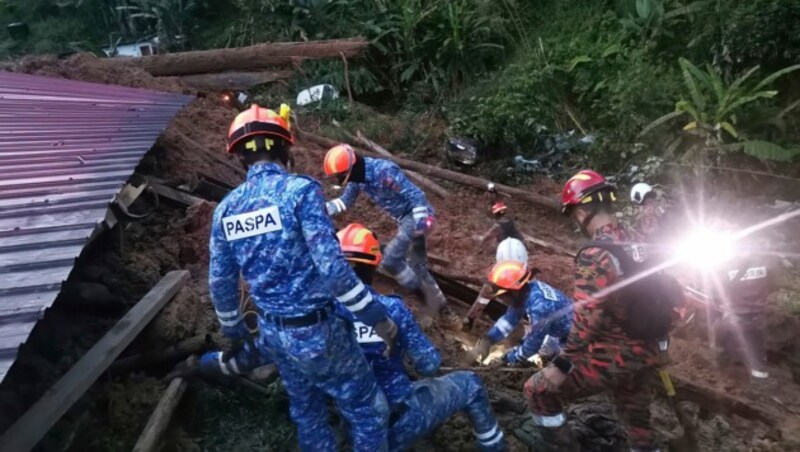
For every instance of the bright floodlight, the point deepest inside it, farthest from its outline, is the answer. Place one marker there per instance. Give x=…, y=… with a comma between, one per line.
x=705, y=249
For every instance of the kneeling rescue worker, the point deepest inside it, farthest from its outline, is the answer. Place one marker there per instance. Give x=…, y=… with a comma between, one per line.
x=389, y=188
x=602, y=353
x=273, y=231
x=549, y=312
x=421, y=406
x=509, y=247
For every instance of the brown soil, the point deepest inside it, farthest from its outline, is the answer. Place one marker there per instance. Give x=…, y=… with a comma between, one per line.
x=177, y=238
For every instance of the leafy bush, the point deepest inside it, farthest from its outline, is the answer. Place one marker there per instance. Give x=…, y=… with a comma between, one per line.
x=712, y=107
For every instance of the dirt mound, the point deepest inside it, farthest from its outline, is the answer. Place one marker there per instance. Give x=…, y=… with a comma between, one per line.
x=89, y=68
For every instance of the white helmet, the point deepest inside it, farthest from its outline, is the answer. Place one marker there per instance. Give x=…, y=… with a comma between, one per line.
x=639, y=191
x=512, y=249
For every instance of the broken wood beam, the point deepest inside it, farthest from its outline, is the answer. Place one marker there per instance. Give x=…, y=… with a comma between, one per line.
x=477, y=282
x=175, y=195
x=32, y=426
x=232, y=80
x=258, y=56
x=719, y=401
x=419, y=178
x=159, y=421
x=548, y=245
x=438, y=260
x=434, y=171
x=181, y=350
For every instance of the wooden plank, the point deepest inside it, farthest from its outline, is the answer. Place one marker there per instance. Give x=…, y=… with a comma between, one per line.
x=548, y=245
x=159, y=420
x=175, y=195
x=32, y=426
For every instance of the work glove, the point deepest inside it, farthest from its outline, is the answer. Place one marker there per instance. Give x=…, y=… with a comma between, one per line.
x=549, y=349
x=422, y=220
x=335, y=207
x=481, y=349
x=387, y=330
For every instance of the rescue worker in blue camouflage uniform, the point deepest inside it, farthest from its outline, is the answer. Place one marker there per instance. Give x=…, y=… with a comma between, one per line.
x=272, y=231
x=549, y=312
x=417, y=407
x=389, y=188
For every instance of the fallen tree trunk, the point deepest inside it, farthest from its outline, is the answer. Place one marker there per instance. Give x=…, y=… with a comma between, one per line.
x=233, y=81
x=442, y=173
x=245, y=58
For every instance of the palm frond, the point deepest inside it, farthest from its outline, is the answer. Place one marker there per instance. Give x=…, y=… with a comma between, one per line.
x=767, y=150
x=669, y=116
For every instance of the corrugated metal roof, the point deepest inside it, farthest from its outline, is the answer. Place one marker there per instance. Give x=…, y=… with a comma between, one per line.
x=66, y=148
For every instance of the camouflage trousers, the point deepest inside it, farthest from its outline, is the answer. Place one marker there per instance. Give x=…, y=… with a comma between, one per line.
x=406, y=259
x=320, y=361
x=435, y=400
x=591, y=374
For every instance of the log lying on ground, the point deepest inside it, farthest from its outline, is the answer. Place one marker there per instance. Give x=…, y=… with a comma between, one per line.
x=233, y=81
x=159, y=421
x=245, y=58
x=442, y=173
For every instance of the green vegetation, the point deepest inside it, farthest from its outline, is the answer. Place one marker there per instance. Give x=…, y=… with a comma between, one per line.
x=504, y=71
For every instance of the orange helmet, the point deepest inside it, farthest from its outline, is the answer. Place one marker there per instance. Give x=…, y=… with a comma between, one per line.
x=258, y=121
x=509, y=275
x=339, y=161
x=359, y=244
x=498, y=208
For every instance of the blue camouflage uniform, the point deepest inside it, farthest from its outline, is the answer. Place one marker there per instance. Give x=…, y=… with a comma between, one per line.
x=389, y=188
x=550, y=314
x=419, y=407
x=273, y=231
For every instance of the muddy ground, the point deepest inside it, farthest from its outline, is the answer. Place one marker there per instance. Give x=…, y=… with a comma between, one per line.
x=120, y=267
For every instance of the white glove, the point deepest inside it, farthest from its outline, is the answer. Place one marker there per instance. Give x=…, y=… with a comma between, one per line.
x=335, y=207
x=549, y=349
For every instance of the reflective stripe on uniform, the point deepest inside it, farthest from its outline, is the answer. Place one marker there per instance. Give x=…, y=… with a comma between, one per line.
x=421, y=209
x=340, y=204
x=406, y=276
x=482, y=300
x=759, y=374
x=233, y=322
x=504, y=326
x=491, y=437
x=361, y=304
x=351, y=293
x=556, y=420
x=227, y=315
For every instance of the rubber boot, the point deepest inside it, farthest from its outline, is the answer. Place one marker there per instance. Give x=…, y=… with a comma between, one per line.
x=547, y=439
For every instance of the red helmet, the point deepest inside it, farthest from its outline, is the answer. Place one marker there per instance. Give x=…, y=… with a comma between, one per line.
x=258, y=121
x=359, y=244
x=580, y=187
x=499, y=207
x=509, y=275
